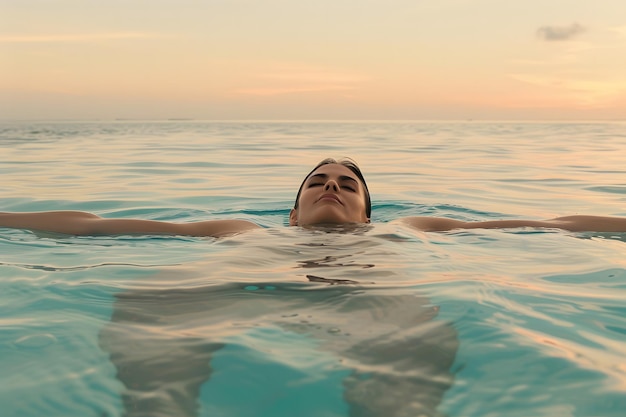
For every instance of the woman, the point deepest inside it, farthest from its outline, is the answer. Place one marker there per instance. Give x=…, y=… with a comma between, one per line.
x=334, y=192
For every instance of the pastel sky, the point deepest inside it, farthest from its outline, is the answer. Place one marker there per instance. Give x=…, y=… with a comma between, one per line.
x=313, y=59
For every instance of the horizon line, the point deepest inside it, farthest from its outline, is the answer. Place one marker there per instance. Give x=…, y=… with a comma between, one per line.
x=271, y=120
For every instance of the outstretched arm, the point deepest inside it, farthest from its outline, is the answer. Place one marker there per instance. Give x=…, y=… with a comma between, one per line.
x=81, y=223
x=577, y=223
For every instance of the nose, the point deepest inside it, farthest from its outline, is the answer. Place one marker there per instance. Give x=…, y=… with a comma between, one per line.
x=331, y=185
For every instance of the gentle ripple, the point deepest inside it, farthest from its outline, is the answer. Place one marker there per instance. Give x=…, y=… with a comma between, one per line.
x=506, y=322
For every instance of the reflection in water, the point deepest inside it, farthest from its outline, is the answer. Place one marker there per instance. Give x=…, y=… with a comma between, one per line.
x=330, y=262
x=399, y=356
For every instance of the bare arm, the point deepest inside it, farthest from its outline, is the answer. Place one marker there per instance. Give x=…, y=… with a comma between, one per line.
x=81, y=223
x=572, y=223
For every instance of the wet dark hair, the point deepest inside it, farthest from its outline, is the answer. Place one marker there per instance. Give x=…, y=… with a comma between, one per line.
x=352, y=166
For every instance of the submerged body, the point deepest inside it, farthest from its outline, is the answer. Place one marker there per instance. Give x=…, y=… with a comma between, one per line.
x=396, y=355
x=337, y=305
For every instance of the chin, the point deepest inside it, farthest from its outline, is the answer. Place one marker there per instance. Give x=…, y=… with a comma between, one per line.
x=331, y=221
x=328, y=217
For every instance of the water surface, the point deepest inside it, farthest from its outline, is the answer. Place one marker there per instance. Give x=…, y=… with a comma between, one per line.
x=464, y=323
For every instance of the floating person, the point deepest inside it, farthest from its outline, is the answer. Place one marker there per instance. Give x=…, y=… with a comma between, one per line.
x=333, y=193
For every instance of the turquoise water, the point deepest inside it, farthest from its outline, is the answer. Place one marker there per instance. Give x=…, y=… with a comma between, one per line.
x=465, y=323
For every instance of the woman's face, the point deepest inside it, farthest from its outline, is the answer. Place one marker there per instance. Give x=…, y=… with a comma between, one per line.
x=332, y=194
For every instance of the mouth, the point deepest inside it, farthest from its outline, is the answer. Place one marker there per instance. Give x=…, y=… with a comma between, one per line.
x=330, y=197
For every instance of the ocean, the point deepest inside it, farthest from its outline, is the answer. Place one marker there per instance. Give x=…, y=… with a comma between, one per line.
x=513, y=322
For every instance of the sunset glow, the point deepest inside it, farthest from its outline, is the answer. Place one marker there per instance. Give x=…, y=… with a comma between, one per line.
x=285, y=59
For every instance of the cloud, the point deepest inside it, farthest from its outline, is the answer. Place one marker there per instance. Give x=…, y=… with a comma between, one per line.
x=560, y=33
x=291, y=90
x=288, y=79
x=578, y=90
x=619, y=30
x=84, y=37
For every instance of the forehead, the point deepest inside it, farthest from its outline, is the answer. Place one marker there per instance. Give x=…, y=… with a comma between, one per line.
x=335, y=170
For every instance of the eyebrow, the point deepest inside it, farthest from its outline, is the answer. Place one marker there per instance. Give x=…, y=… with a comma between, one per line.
x=325, y=176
